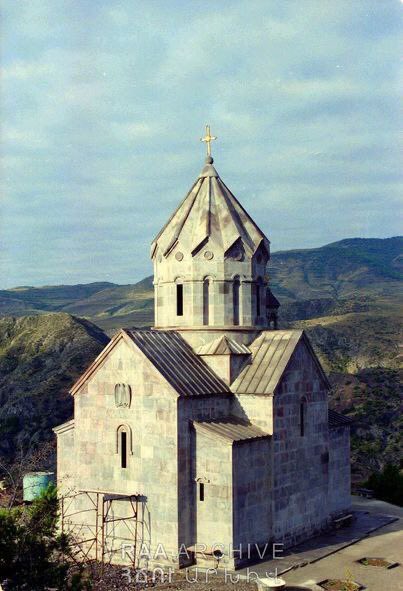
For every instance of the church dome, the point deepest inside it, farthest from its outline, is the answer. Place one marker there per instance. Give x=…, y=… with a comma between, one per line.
x=210, y=260
x=209, y=212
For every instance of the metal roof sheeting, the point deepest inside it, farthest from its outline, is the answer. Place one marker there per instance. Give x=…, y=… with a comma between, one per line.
x=233, y=429
x=177, y=362
x=223, y=346
x=271, y=352
x=338, y=420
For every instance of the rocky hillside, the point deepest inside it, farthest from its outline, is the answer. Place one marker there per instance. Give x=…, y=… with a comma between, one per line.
x=354, y=341
x=40, y=358
x=373, y=398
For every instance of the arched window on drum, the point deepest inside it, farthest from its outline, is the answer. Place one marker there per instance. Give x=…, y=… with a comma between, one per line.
x=236, y=289
x=207, y=300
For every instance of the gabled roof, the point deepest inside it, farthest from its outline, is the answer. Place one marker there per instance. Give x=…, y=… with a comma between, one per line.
x=177, y=362
x=271, y=353
x=172, y=356
x=338, y=420
x=232, y=428
x=209, y=211
x=223, y=346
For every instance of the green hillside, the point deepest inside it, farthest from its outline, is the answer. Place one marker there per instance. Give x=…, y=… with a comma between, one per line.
x=40, y=358
x=368, y=266
x=118, y=306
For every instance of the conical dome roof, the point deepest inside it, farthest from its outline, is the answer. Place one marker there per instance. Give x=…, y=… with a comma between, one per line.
x=209, y=212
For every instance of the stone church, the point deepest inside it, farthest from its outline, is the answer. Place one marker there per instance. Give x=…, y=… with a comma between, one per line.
x=210, y=434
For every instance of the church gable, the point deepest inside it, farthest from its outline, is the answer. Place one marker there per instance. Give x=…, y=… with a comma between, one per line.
x=114, y=369
x=166, y=352
x=303, y=372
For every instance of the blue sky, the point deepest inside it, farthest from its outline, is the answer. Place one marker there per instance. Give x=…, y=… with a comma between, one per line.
x=103, y=104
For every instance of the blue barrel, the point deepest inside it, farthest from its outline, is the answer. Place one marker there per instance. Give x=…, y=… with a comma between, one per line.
x=35, y=483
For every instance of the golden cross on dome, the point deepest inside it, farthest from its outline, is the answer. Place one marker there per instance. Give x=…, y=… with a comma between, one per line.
x=208, y=138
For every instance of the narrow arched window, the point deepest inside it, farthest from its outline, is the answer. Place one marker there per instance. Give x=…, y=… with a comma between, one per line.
x=123, y=449
x=302, y=417
x=179, y=299
x=206, y=301
x=124, y=444
x=235, y=300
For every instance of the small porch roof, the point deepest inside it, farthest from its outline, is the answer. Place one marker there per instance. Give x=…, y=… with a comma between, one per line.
x=232, y=429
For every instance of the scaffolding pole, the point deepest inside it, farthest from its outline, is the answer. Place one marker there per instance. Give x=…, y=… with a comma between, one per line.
x=101, y=507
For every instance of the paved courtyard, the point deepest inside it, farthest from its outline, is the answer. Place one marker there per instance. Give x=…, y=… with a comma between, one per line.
x=384, y=542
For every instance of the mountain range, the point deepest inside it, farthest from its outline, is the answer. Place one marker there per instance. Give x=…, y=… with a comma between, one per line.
x=352, y=274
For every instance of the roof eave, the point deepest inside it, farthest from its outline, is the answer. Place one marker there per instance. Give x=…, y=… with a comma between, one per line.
x=316, y=360
x=67, y=426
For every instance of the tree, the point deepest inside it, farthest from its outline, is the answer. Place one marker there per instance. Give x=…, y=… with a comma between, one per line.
x=33, y=553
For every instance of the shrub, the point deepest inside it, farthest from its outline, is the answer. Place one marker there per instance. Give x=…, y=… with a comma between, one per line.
x=32, y=551
x=387, y=485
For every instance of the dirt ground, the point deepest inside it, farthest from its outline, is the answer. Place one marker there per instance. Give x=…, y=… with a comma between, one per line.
x=116, y=578
x=112, y=578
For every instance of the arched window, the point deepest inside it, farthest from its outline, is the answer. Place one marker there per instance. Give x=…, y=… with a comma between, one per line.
x=124, y=444
x=123, y=449
x=179, y=299
x=235, y=299
x=302, y=417
x=201, y=482
x=206, y=300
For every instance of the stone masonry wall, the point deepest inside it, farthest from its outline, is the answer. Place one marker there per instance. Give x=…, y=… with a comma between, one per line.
x=300, y=463
x=215, y=513
x=252, y=494
x=339, y=470
x=152, y=461
x=190, y=409
x=66, y=464
x=257, y=408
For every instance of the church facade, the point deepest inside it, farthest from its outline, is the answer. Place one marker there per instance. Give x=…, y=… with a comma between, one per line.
x=209, y=436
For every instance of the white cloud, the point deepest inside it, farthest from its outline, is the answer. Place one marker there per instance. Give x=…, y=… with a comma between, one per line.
x=104, y=106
